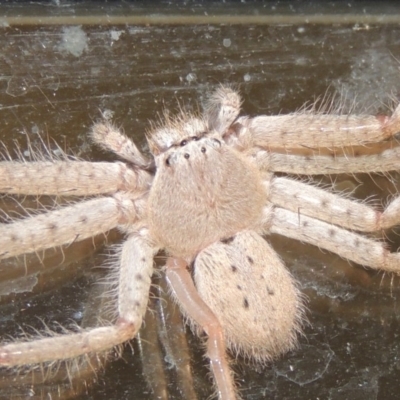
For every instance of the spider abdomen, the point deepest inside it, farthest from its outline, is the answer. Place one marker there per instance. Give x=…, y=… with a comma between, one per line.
x=258, y=304
x=203, y=191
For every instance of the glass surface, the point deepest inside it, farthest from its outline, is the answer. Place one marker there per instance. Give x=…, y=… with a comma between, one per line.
x=59, y=74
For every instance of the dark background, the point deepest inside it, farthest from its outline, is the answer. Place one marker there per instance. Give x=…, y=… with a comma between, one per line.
x=63, y=62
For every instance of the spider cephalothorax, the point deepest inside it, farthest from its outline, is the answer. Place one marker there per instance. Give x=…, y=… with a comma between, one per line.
x=212, y=197
x=203, y=191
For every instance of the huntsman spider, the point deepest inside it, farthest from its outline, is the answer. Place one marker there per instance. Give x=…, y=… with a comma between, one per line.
x=207, y=198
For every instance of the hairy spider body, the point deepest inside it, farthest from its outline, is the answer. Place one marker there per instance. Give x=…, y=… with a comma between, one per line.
x=213, y=195
x=216, y=193
x=201, y=219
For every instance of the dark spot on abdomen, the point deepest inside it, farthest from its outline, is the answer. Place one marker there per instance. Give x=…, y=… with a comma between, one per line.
x=246, y=303
x=228, y=240
x=250, y=260
x=138, y=277
x=270, y=291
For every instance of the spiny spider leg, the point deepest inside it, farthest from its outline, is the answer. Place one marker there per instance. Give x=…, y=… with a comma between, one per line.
x=352, y=246
x=307, y=130
x=318, y=203
x=136, y=261
x=67, y=225
x=80, y=178
x=69, y=178
x=383, y=161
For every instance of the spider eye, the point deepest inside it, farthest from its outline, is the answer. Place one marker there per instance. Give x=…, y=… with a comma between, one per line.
x=183, y=143
x=167, y=161
x=195, y=138
x=217, y=141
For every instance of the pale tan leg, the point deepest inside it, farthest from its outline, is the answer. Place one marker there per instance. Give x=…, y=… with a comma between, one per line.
x=69, y=178
x=66, y=378
x=67, y=225
x=307, y=130
x=318, y=203
x=66, y=346
x=185, y=292
x=59, y=227
x=134, y=276
x=314, y=164
x=349, y=245
x=133, y=289
x=40, y=274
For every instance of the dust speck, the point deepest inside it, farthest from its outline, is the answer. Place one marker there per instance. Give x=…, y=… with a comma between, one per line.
x=191, y=77
x=227, y=42
x=73, y=41
x=4, y=23
x=247, y=77
x=116, y=34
